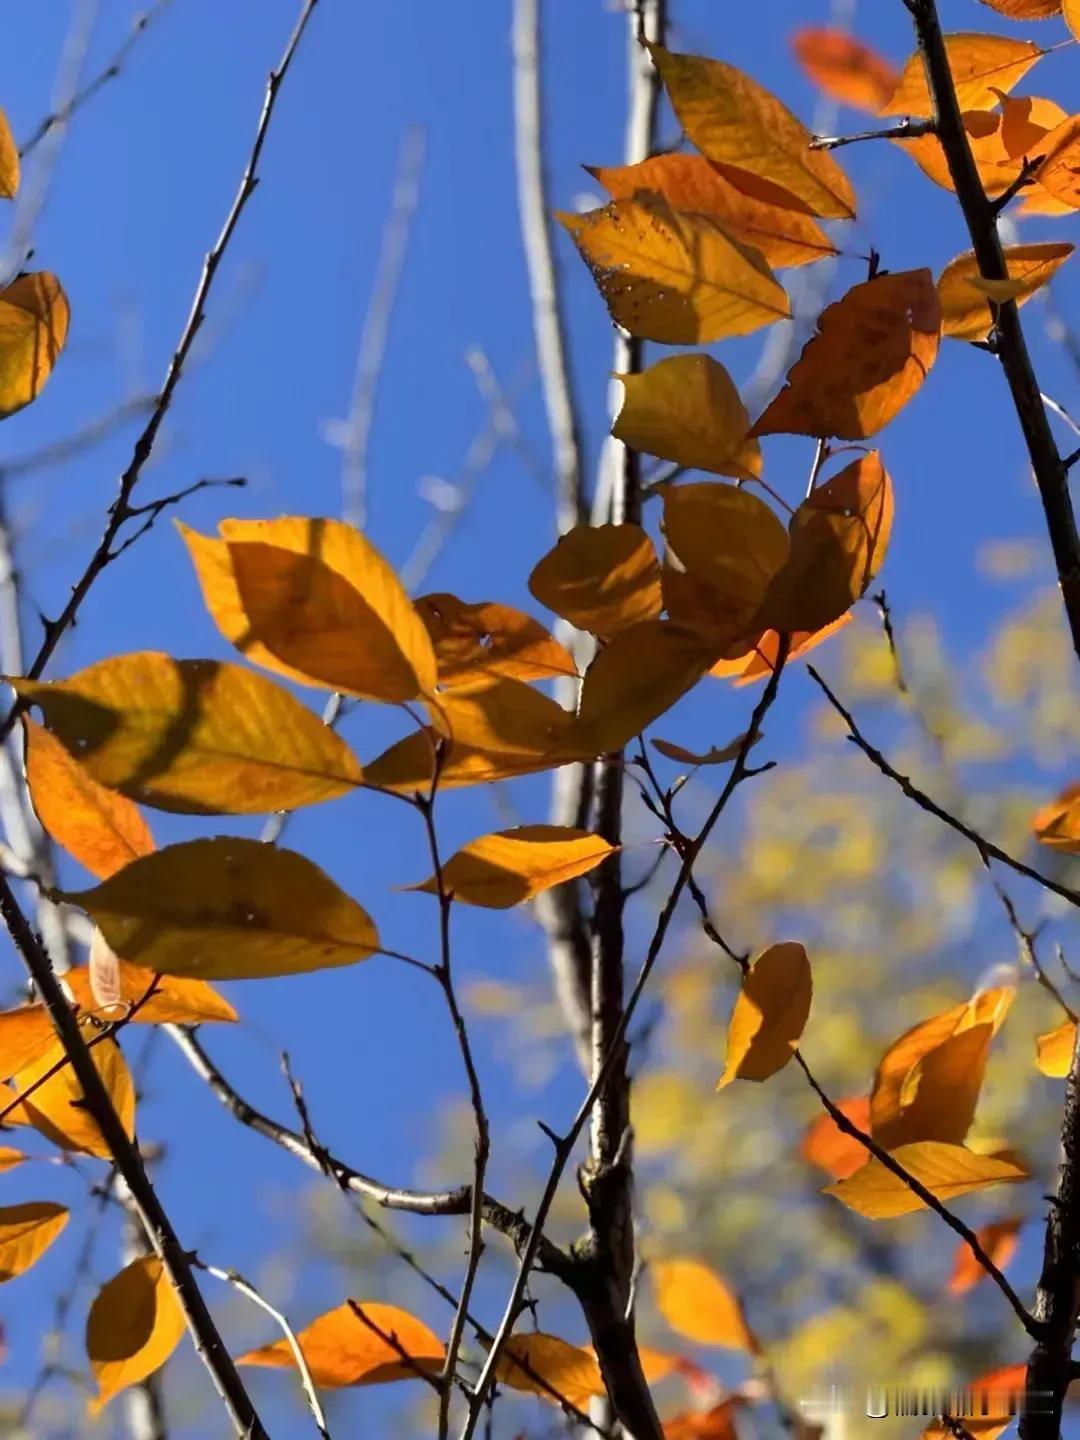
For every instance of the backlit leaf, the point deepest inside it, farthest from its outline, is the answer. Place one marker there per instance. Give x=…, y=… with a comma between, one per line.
x=1026, y=9
x=26, y=1232
x=538, y=1364
x=826, y=1146
x=964, y=294
x=873, y=350
x=728, y=539
x=511, y=866
x=482, y=641
x=687, y=409
x=34, y=318
x=25, y=1033
x=675, y=277
x=134, y=1325
x=689, y=182
x=981, y=65
x=718, y=755
x=770, y=1014
x=194, y=736
x=57, y=1108
x=173, y=1001
x=1054, y=1050
x=228, y=909
x=98, y=827
x=764, y=149
x=697, y=1304
x=717, y=1423
x=759, y=662
x=947, y=1171
x=1059, y=173
x=1071, y=10
x=9, y=161
x=999, y=1239
x=340, y=1349
x=1058, y=823
x=602, y=578
x=998, y=166
x=10, y=1158
x=845, y=68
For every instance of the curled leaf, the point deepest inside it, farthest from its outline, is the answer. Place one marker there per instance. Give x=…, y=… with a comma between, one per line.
x=512, y=866
x=947, y=1171
x=34, y=318
x=134, y=1325
x=844, y=68
x=828, y=1147
x=1054, y=1050
x=963, y=293
x=999, y=1239
x=769, y=1015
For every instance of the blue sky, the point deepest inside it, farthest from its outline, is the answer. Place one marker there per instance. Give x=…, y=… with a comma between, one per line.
x=142, y=185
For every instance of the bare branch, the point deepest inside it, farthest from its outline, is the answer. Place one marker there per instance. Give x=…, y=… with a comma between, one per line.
x=904, y=130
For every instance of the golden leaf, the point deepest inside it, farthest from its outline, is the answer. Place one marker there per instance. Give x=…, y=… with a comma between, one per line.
x=57, y=1107
x=9, y=161
x=34, y=318
x=759, y=662
x=826, y=1145
x=552, y=1365
x=602, y=578
x=25, y=1033
x=341, y=1349
x=845, y=68
x=480, y=642
x=173, y=1002
x=194, y=736
x=769, y=1015
x=1058, y=823
x=675, y=277
x=134, y=1325
x=1059, y=173
x=1026, y=9
x=986, y=140
x=687, y=409
x=764, y=149
x=999, y=1239
x=873, y=350
x=981, y=65
x=1054, y=1050
x=697, y=1304
x=10, y=1158
x=964, y=294
x=947, y=1171
x=26, y=1232
x=1071, y=10
x=512, y=866
x=228, y=909
x=729, y=540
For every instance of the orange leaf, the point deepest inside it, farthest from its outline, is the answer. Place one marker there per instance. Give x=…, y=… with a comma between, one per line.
x=947, y=1171
x=1054, y=1050
x=10, y=1158
x=9, y=161
x=727, y=539
x=512, y=866
x=341, y=1349
x=134, y=1325
x=966, y=313
x=873, y=350
x=981, y=65
x=57, y=1108
x=996, y=1398
x=826, y=1145
x=175, y=1001
x=552, y=1365
x=675, y=277
x=997, y=167
x=1071, y=11
x=101, y=829
x=1059, y=173
x=690, y=182
x=718, y=755
x=998, y=1239
x=1058, y=823
x=25, y=1033
x=759, y=662
x=34, y=317
x=482, y=641
x=764, y=149
x=845, y=68
x=602, y=578
x=687, y=409
x=697, y=1304
x=769, y=1015
x=1026, y=9
x=26, y=1232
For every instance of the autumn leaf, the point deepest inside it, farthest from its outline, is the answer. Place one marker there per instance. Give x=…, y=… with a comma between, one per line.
x=769, y=1015
x=134, y=1325
x=10, y=1158
x=25, y=1033
x=1026, y=9
x=829, y=1148
x=993, y=1402
x=173, y=1001
x=963, y=293
x=26, y=1232
x=194, y=736
x=57, y=1107
x=763, y=149
x=998, y=167
x=34, y=318
x=480, y=642
x=1071, y=10
x=1059, y=173
x=9, y=161
x=539, y=1364
x=873, y=350
x=844, y=68
x=341, y=1349
x=760, y=661
x=1054, y=1050
x=687, y=409
x=228, y=909
x=784, y=236
x=998, y=1239
x=98, y=827
x=602, y=578
x=839, y=535
x=947, y=1171
x=512, y=866
x=717, y=1423
x=698, y=1305
x=675, y=277
x=1058, y=823
x=718, y=755
x=729, y=540
x=982, y=66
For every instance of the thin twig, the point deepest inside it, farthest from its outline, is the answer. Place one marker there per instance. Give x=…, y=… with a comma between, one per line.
x=905, y=130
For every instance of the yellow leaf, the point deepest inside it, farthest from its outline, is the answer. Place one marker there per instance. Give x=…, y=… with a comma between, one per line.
x=1058, y=823
x=98, y=827
x=9, y=161
x=687, y=409
x=314, y=600
x=769, y=1015
x=539, y=1364
x=57, y=1108
x=341, y=1349
x=941, y=1091
x=827, y=1146
x=194, y=736
x=945, y=1170
x=689, y=182
x=1059, y=173
x=981, y=65
x=697, y=1304
x=228, y=909
x=174, y=1001
x=873, y=350
x=764, y=149
x=675, y=277
x=718, y=755
x=26, y=1232
x=963, y=293
x=511, y=866
x=845, y=68
x=134, y=1325
x=34, y=318
x=480, y=642
x=1071, y=11
x=602, y=578
x=729, y=540
x=997, y=166
x=999, y=1239
x=839, y=536
x=25, y=1033
x=10, y=1158
x=1054, y=1050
